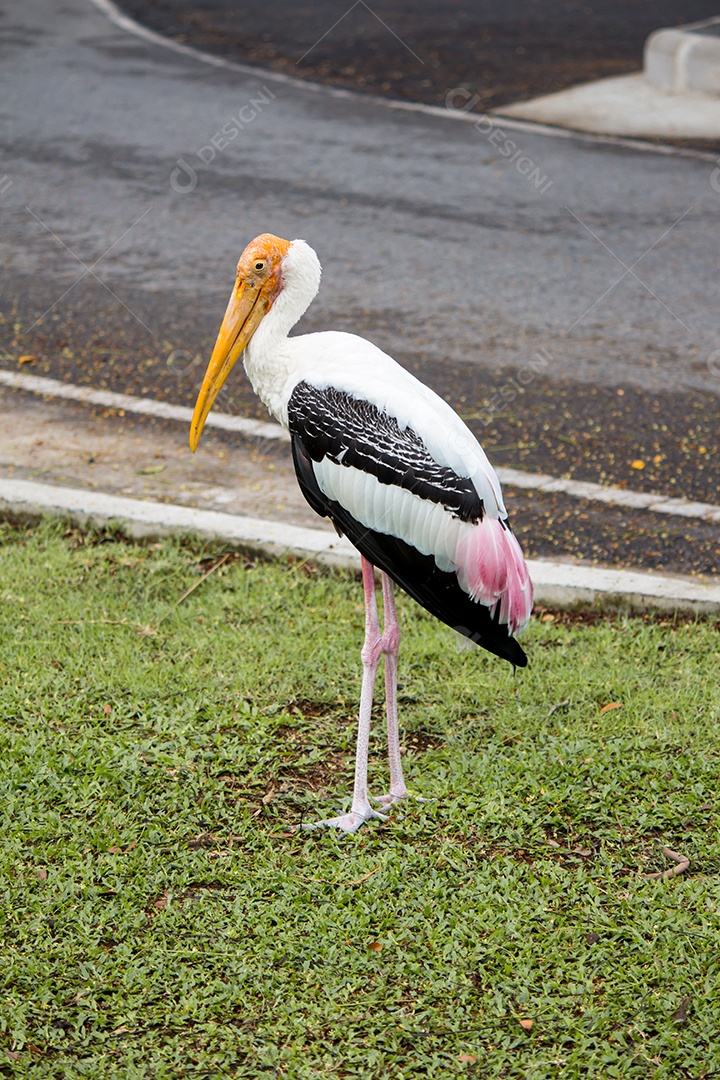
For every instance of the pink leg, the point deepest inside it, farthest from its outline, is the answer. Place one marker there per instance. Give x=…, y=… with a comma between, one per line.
x=372, y=650
x=390, y=645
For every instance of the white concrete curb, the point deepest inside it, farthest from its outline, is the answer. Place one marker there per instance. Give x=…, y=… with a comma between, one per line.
x=163, y=410
x=574, y=585
x=685, y=59
x=628, y=107
x=25, y=499
x=556, y=584
x=613, y=496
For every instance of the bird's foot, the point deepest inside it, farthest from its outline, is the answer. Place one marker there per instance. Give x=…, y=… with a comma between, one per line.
x=390, y=798
x=397, y=796
x=348, y=823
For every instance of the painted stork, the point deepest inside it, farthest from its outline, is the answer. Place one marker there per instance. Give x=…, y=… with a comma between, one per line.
x=393, y=467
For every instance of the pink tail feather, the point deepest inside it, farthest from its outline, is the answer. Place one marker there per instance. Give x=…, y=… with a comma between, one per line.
x=491, y=568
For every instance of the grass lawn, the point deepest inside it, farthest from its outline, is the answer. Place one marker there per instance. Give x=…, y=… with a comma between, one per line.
x=161, y=920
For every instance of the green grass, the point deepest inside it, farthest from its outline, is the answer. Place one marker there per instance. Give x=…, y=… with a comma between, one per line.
x=161, y=920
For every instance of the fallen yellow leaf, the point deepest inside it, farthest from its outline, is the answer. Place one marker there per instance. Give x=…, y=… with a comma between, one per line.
x=467, y=1059
x=526, y=1025
x=637, y=464
x=29, y=359
x=611, y=705
x=375, y=946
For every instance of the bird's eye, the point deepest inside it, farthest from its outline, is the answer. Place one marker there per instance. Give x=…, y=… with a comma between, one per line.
x=260, y=265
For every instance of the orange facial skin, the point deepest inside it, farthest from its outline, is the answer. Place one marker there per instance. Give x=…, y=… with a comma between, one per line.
x=257, y=285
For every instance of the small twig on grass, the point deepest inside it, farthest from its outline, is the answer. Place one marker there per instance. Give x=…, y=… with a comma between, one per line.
x=359, y=881
x=194, y=586
x=147, y=630
x=96, y=622
x=205, y=576
x=682, y=862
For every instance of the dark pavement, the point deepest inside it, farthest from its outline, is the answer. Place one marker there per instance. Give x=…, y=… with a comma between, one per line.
x=417, y=50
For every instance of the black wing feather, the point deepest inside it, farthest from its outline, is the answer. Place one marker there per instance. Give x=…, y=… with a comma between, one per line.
x=318, y=431
x=332, y=423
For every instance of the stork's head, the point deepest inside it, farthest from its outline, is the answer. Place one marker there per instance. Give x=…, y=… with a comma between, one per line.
x=258, y=284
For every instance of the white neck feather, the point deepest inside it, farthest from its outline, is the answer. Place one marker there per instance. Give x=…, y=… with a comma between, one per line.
x=300, y=282
x=267, y=358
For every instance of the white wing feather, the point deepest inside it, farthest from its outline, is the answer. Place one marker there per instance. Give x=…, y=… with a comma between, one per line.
x=356, y=366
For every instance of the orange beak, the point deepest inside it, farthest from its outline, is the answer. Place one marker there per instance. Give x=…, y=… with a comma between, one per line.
x=247, y=307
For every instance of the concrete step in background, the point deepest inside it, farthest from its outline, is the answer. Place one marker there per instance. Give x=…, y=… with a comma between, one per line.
x=685, y=59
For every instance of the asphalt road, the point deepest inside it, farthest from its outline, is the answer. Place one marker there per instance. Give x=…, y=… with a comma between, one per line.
x=511, y=295
x=502, y=50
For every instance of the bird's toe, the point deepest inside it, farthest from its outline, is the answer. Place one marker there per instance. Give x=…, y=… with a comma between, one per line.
x=389, y=799
x=348, y=823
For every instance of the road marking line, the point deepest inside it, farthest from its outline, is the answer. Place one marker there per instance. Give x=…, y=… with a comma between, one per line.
x=555, y=583
x=578, y=489
x=634, y=500
x=124, y=22
x=37, y=384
